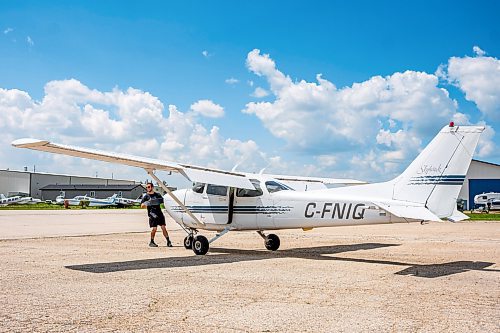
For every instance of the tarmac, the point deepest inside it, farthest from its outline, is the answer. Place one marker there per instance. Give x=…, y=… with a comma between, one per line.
x=92, y=271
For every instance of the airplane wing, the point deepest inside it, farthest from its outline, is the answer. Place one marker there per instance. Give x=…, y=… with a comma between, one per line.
x=191, y=172
x=409, y=211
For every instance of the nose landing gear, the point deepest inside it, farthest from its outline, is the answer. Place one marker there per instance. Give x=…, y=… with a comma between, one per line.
x=188, y=242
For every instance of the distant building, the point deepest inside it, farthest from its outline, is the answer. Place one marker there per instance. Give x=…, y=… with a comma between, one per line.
x=133, y=191
x=30, y=183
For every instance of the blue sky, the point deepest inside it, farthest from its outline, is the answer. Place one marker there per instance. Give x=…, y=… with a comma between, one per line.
x=179, y=53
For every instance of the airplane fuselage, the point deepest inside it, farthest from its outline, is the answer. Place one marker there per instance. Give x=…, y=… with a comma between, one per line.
x=285, y=209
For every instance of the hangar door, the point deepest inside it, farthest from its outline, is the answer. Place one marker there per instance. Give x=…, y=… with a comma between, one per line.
x=478, y=186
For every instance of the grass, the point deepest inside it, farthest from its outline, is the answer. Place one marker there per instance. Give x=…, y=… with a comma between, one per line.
x=483, y=216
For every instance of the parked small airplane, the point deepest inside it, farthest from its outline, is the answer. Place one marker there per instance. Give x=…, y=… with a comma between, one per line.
x=87, y=201
x=4, y=201
x=124, y=202
x=224, y=201
x=28, y=201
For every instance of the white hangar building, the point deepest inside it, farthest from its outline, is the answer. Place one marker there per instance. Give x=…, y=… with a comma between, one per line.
x=482, y=177
x=30, y=183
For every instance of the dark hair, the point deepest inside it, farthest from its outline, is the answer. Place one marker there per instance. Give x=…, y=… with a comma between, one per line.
x=149, y=183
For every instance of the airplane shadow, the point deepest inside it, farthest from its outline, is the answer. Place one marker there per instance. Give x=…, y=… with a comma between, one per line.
x=224, y=256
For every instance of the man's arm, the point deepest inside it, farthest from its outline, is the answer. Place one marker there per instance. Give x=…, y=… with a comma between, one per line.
x=144, y=200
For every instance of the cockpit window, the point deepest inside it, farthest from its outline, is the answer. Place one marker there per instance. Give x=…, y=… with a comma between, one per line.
x=273, y=186
x=198, y=187
x=216, y=189
x=243, y=192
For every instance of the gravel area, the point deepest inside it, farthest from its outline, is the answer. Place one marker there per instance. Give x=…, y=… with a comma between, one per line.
x=429, y=278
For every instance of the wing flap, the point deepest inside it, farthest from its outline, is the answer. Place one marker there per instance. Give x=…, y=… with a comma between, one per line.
x=409, y=211
x=191, y=172
x=326, y=181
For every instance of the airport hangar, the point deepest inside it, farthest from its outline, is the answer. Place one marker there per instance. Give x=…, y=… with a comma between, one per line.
x=30, y=184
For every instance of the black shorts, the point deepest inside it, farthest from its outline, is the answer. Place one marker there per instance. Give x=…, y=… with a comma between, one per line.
x=154, y=222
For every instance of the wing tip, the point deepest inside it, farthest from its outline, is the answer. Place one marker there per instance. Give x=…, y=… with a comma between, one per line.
x=28, y=143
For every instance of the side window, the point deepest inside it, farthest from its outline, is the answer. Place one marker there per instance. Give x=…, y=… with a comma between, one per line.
x=198, y=187
x=216, y=189
x=242, y=192
x=273, y=186
x=92, y=194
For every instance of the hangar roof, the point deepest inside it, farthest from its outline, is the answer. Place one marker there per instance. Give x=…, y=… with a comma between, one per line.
x=494, y=164
x=91, y=187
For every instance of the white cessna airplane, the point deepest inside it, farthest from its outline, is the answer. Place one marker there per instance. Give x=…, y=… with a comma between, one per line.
x=5, y=201
x=227, y=200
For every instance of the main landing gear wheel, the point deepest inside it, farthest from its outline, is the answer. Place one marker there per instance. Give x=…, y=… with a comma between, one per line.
x=272, y=242
x=200, y=245
x=188, y=242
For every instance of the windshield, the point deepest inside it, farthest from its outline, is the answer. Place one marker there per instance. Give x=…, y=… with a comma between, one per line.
x=273, y=186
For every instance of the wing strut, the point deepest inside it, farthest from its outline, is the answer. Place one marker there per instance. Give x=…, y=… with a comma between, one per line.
x=164, y=187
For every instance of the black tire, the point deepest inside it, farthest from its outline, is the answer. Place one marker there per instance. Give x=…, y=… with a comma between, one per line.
x=188, y=242
x=200, y=245
x=272, y=242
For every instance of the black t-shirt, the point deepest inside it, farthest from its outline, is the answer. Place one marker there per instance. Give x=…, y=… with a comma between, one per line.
x=153, y=202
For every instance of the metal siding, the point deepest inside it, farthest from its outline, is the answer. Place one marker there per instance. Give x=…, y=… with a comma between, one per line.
x=478, y=186
x=14, y=181
x=39, y=180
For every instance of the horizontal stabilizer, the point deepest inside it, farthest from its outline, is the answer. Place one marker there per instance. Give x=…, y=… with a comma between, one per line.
x=457, y=216
x=409, y=212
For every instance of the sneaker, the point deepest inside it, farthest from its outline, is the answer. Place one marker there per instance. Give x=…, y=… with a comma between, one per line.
x=169, y=243
x=152, y=244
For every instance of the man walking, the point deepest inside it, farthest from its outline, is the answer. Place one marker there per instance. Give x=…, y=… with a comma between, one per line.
x=152, y=201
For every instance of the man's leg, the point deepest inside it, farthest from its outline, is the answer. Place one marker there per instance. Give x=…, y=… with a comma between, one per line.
x=165, y=233
x=164, y=230
x=153, y=233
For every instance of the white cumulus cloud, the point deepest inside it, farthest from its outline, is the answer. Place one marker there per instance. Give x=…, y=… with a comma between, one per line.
x=479, y=78
x=385, y=121
x=260, y=92
x=208, y=108
x=130, y=121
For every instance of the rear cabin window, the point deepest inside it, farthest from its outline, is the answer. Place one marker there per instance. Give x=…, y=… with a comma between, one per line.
x=216, y=190
x=273, y=186
x=243, y=192
x=198, y=187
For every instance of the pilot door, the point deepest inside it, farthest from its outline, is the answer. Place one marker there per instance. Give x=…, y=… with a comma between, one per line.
x=251, y=209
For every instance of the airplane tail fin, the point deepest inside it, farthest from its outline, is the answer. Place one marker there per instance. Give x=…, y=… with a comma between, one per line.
x=2, y=196
x=435, y=177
